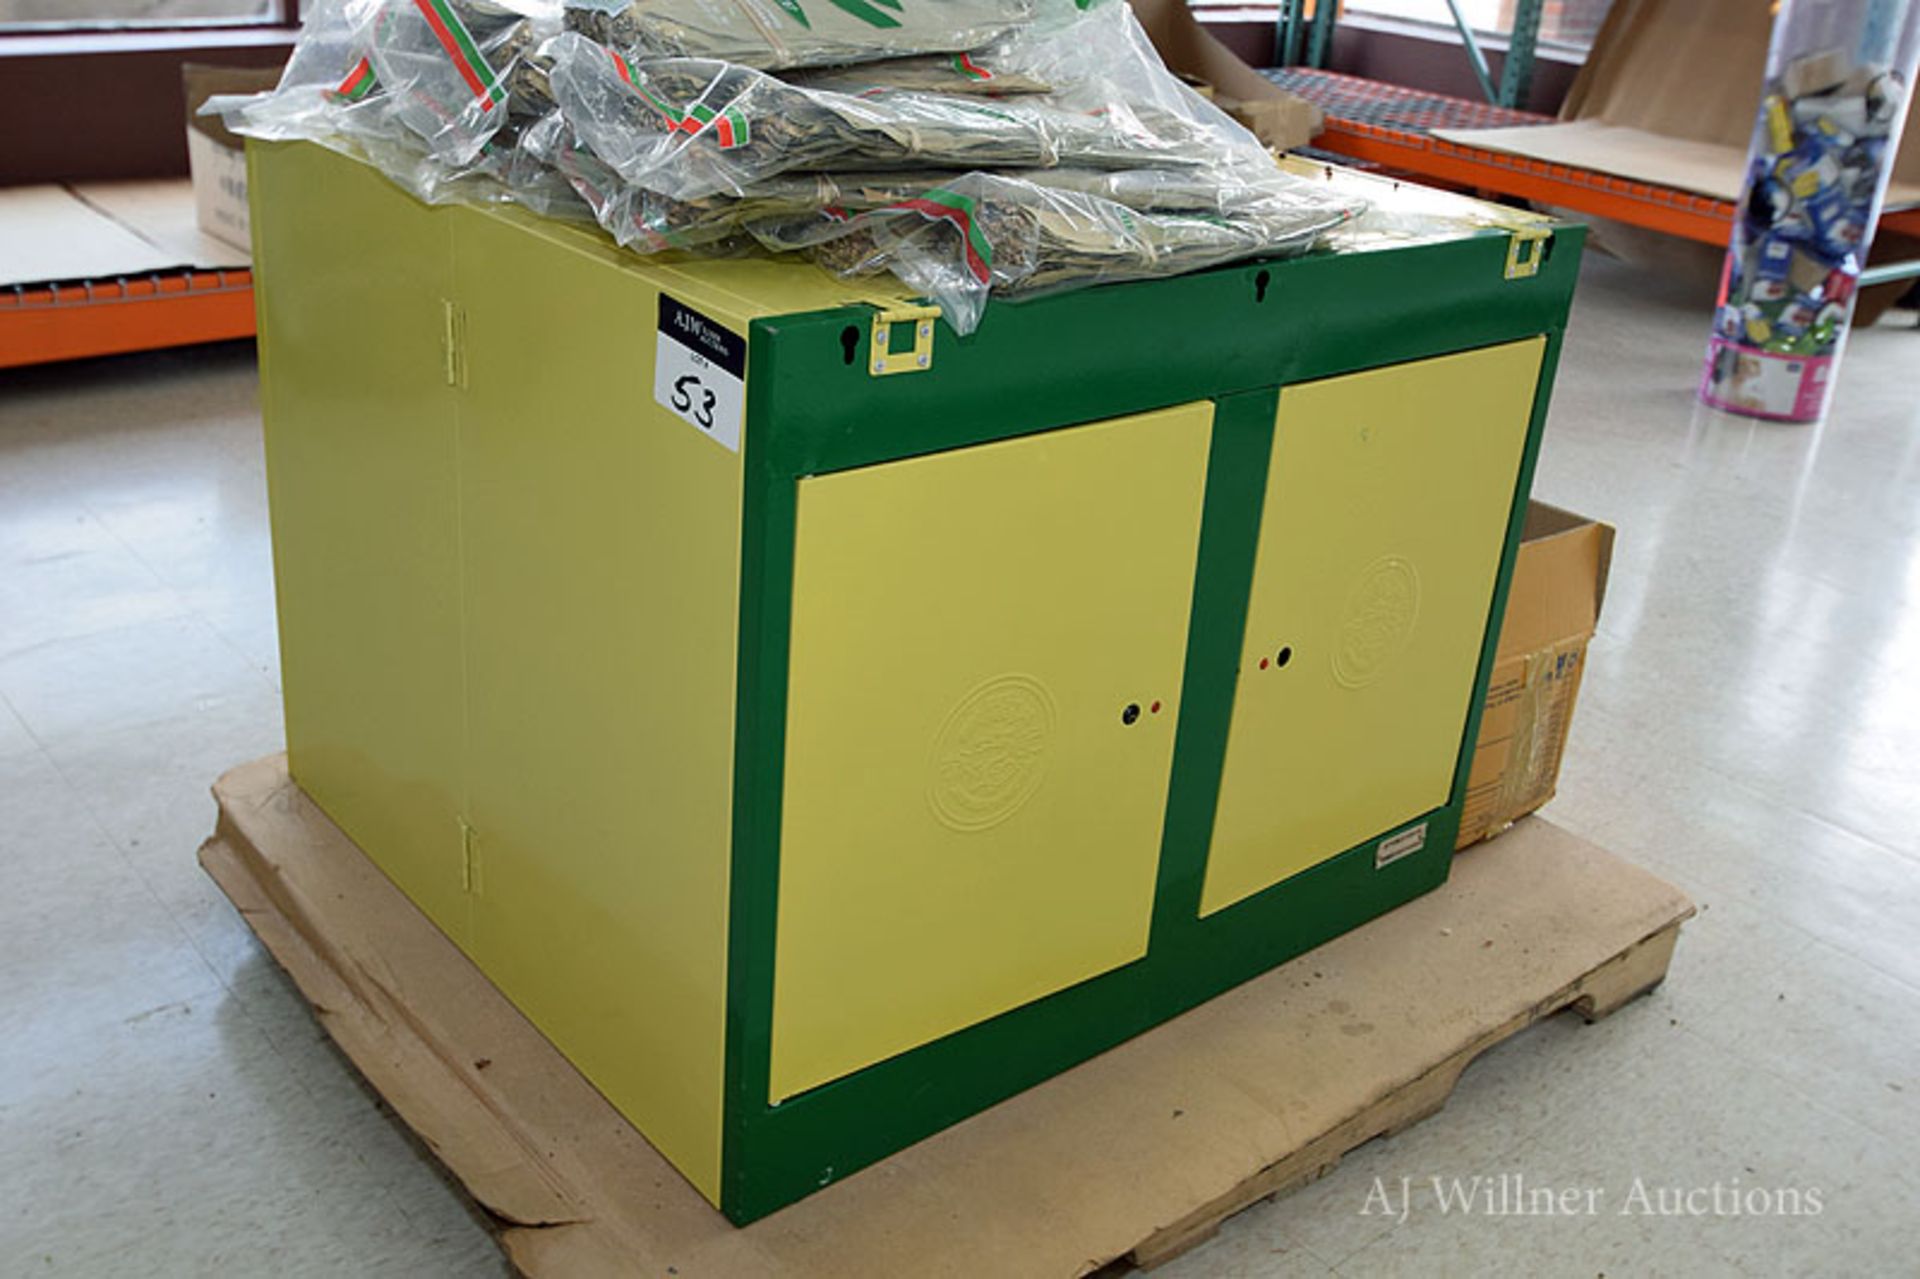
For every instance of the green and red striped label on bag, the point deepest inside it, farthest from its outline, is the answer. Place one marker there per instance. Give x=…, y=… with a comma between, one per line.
x=942, y=205
x=359, y=82
x=730, y=126
x=969, y=68
x=461, y=50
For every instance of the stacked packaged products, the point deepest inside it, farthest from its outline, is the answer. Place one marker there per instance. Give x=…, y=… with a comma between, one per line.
x=967, y=146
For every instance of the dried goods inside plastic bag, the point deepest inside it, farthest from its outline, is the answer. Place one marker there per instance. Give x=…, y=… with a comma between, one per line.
x=772, y=34
x=969, y=147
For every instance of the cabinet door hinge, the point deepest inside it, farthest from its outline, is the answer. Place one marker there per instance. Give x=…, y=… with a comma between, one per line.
x=469, y=859
x=454, y=343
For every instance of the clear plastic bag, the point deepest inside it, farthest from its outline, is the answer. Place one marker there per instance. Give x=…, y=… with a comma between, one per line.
x=663, y=223
x=329, y=87
x=997, y=71
x=448, y=68
x=445, y=74
x=985, y=233
x=1118, y=171
x=643, y=221
x=692, y=128
x=534, y=177
x=336, y=92
x=1100, y=61
x=772, y=34
x=1182, y=190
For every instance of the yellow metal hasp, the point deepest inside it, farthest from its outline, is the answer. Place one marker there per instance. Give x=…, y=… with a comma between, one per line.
x=1523, y=262
x=885, y=360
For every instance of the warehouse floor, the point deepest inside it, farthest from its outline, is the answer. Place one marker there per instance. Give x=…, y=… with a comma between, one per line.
x=1749, y=727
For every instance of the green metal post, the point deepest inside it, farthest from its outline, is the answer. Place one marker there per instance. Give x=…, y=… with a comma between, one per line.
x=1516, y=77
x=1471, y=43
x=1288, y=33
x=1325, y=12
x=1888, y=273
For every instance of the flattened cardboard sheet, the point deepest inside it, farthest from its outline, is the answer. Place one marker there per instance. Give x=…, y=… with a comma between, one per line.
x=104, y=230
x=1705, y=168
x=1667, y=96
x=163, y=213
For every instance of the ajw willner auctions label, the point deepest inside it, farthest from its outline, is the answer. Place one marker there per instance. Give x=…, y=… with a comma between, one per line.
x=699, y=372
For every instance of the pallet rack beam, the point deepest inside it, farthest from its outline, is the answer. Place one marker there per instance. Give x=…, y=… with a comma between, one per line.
x=44, y=323
x=1516, y=73
x=1391, y=127
x=1470, y=43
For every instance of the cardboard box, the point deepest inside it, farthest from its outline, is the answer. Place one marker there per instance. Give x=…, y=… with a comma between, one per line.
x=1552, y=609
x=1280, y=119
x=217, y=158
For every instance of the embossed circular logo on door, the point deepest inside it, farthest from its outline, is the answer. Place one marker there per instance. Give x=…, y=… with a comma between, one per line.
x=1381, y=610
x=991, y=753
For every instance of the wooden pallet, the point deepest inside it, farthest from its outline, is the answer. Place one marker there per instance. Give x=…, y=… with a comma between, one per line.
x=1126, y=1160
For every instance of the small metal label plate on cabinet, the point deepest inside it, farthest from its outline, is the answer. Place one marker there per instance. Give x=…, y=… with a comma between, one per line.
x=1405, y=844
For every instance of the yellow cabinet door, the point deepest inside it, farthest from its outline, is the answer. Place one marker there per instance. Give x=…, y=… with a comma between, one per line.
x=1387, y=504
x=356, y=404
x=602, y=543
x=987, y=647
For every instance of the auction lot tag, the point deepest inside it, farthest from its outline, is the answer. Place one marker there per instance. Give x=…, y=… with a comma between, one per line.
x=699, y=372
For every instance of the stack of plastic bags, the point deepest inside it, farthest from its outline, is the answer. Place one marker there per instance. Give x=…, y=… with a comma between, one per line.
x=969, y=147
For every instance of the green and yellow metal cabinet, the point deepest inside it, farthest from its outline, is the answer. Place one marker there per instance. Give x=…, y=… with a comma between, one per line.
x=819, y=753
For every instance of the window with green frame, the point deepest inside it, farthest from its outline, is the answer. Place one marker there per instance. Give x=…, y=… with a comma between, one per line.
x=1571, y=24
x=1564, y=22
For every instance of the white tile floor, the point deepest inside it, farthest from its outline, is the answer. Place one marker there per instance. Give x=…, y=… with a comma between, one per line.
x=1750, y=727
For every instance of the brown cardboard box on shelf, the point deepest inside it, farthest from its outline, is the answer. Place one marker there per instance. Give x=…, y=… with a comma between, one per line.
x=216, y=158
x=1553, y=606
x=1278, y=118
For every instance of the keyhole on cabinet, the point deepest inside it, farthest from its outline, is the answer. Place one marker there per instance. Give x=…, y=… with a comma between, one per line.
x=850, y=342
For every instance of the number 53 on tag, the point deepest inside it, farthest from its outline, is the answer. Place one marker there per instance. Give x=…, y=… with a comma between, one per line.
x=699, y=372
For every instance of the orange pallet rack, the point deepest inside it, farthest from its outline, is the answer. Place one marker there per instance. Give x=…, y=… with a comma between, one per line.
x=1398, y=137
x=43, y=323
